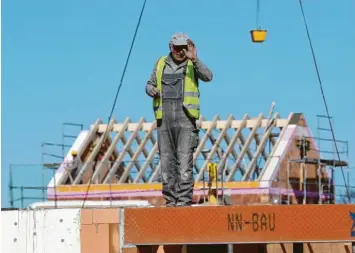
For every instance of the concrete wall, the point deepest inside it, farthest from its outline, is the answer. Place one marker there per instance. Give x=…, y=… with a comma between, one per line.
x=72, y=230
x=41, y=231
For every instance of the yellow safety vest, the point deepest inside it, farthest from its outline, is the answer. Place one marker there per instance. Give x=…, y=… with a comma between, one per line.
x=191, y=92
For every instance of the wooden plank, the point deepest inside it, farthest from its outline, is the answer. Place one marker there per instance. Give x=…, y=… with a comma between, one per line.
x=238, y=224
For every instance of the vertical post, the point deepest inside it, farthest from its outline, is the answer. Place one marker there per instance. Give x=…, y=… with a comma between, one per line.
x=331, y=186
x=222, y=178
x=110, y=193
x=11, y=187
x=301, y=177
x=288, y=182
x=63, y=140
x=347, y=156
x=298, y=247
x=320, y=192
x=304, y=183
x=353, y=247
x=349, y=182
x=230, y=248
x=279, y=185
x=55, y=190
x=22, y=197
x=43, y=171
x=212, y=194
x=216, y=180
x=43, y=184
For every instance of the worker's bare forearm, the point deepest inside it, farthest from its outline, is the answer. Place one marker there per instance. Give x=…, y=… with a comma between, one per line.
x=202, y=71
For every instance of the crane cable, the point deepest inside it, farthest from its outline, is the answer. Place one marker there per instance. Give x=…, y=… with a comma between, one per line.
x=119, y=88
x=324, y=100
x=257, y=13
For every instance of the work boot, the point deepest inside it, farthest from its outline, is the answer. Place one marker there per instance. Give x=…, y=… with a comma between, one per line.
x=170, y=205
x=180, y=204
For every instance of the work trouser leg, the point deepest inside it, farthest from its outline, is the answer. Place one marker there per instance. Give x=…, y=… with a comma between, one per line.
x=168, y=167
x=186, y=145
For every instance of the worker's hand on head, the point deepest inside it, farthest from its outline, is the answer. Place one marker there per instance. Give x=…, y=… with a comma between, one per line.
x=154, y=92
x=192, y=52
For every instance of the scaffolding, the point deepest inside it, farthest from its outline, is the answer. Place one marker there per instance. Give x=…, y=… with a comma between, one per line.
x=327, y=149
x=48, y=167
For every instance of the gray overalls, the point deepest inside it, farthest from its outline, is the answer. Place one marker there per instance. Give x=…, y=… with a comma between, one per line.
x=177, y=132
x=177, y=140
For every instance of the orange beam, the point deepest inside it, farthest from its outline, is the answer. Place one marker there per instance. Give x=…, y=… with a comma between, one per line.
x=238, y=224
x=143, y=186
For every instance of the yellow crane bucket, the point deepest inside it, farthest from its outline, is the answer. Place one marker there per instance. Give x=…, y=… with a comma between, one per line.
x=258, y=36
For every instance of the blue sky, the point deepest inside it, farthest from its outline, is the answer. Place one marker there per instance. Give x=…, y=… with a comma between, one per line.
x=62, y=62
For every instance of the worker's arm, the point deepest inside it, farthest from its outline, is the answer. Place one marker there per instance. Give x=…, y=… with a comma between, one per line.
x=201, y=71
x=151, y=86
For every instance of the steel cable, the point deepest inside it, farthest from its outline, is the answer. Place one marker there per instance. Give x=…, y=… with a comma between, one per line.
x=119, y=87
x=323, y=96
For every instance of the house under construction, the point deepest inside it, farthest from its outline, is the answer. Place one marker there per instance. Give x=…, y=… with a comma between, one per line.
x=257, y=160
x=261, y=185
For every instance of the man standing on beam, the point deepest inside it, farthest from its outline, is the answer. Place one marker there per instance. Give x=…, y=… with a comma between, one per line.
x=173, y=85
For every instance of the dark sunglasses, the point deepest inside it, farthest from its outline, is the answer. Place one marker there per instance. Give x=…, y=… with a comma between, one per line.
x=179, y=48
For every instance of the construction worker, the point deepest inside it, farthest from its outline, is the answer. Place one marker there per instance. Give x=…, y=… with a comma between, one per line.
x=173, y=85
x=72, y=166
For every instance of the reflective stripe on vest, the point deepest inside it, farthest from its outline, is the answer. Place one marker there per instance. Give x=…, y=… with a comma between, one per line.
x=191, y=92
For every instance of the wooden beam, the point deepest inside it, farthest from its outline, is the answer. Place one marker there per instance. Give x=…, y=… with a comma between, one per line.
x=123, y=152
x=203, y=124
x=251, y=167
x=272, y=153
x=98, y=176
x=214, y=147
x=205, y=137
x=231, y=144
x=90, y=161
x=146, y=164
x=136, y=155
x=245, y=147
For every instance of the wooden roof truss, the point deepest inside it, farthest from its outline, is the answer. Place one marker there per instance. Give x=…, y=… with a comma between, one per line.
x=241, y=148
